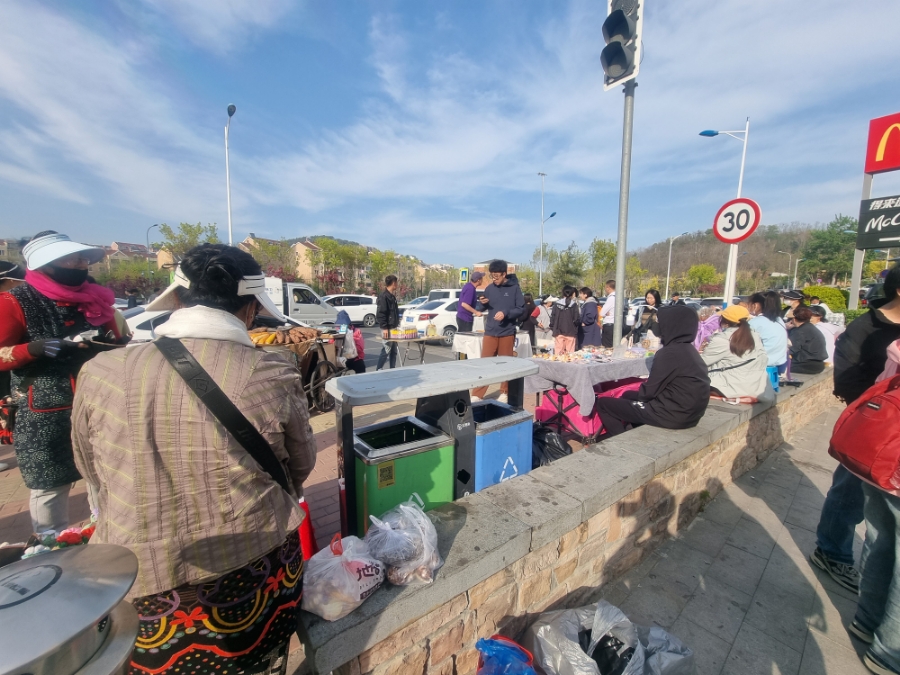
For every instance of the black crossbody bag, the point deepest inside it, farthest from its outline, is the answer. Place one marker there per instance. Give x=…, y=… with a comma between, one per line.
x=222, y=408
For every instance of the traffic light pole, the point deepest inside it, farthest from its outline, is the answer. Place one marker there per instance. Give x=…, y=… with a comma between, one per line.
x=624, y=186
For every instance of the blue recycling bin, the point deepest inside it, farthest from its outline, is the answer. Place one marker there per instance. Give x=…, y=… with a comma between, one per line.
x=502, y=442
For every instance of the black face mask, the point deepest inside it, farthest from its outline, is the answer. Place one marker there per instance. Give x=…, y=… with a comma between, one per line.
x=69, y=277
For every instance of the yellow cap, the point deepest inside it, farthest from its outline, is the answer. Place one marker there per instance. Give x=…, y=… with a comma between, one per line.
x=735, y=313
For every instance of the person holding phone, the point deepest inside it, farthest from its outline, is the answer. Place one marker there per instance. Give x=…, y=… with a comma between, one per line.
x=502, y=304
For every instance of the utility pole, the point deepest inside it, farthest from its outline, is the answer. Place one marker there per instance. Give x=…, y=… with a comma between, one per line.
x=624, y=190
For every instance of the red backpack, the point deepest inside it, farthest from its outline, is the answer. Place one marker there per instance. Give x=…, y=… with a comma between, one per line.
x=866, y=438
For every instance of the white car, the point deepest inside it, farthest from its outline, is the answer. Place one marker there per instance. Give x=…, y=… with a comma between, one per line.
x=441, y=313
x=360, y=308
x=412, y=304
x=143, y=324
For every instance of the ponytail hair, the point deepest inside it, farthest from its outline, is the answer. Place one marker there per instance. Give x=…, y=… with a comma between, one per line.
x=742, y=339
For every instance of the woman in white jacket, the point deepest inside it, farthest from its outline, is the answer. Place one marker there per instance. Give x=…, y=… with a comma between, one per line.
x=735, y=357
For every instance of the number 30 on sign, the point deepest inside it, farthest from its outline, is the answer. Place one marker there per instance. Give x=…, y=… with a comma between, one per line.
x=737, y=220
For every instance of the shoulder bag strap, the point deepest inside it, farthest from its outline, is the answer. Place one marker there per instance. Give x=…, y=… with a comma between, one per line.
x=737, y=365
x=222, y=408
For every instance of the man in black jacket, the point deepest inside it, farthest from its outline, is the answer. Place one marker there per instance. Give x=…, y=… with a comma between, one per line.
x=502, y=304
x=387, y=316
x=859, y=357
x=676, y=393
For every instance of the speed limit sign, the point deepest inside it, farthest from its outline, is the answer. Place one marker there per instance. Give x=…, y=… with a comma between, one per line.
x=737, y=220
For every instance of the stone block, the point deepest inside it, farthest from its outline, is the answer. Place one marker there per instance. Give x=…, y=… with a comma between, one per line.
x=534, y=588
x=450, y=639
x=549, y=512
x=598, y=524
x=540, y=559
x=493, y=611
x=467, y=661
x=484, y=589
x=613, y=474
x=446, y=667
x=412, y=634
x=413, y=660
x=570, y=542
x=564, y=570
x=664, y=447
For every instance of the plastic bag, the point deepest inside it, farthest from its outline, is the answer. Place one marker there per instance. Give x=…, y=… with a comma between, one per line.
x=405, y=540
x=580, y=641
x=349, y=350
x=337, y=579
x=502, y=656
x=547, y=446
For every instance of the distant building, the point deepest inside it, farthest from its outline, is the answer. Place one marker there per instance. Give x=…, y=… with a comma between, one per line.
x=10, y=251
x=483, y=267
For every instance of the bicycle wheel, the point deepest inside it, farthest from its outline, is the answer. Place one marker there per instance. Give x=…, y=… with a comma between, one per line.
x=322, y=400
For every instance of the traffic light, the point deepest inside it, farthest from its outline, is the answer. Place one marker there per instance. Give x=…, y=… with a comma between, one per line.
x=620, y=58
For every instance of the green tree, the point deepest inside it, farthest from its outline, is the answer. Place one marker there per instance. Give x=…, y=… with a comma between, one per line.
x=830, y=250
x=187, y=237
x=123, y=275
x=634, y=276
x=603, y=262
x=568, y=267
x=277, y=258
x=701, y=275
x=382, y=263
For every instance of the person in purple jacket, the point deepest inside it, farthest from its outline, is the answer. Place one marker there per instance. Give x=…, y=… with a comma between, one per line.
x=466, y=312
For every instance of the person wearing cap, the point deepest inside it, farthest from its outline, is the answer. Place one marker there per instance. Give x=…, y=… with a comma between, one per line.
x=37, y=321
x=794, y=299
x=466, y=311
x=216, y=537
x=807, y=345
x=676, y=299
x=735, y=357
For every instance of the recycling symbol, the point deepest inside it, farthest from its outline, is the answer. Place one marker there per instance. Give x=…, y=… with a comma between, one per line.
x=508, y=465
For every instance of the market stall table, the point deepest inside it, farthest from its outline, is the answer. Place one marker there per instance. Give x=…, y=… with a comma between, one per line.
x=579, y=378
x=470, y=344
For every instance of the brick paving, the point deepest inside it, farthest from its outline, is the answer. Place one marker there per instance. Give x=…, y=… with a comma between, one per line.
x=737, y=586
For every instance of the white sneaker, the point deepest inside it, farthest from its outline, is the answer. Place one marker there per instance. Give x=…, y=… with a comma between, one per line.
x=474, y=399
x=503, y=398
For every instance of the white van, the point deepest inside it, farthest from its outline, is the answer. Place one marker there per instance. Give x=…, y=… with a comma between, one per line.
x=444, y=294
x=300, y=302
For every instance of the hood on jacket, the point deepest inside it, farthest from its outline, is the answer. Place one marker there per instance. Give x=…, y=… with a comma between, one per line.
x=677, y=323
x=342, y=318
x=591, y=299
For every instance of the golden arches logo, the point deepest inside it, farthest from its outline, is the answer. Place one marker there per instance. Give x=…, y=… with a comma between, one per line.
x=882, y=145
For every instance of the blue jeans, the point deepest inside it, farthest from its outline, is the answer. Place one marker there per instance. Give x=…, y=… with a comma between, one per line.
x=841, y=513
x=387, y=348
x=879, y=589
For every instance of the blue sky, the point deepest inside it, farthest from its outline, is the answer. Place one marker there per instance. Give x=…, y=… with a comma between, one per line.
x=421, y=126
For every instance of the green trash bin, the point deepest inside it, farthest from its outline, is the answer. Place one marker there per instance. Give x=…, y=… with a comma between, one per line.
x=399, y=460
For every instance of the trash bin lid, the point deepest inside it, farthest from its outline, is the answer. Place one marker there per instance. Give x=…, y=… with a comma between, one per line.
x=369, y=455
x=47, y=601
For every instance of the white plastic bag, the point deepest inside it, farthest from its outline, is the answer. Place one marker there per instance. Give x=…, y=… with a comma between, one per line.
x=337, y=579
x=405, y=540
x=349, y=351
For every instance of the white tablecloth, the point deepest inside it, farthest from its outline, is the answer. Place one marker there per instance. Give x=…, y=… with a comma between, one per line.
x=470, y=345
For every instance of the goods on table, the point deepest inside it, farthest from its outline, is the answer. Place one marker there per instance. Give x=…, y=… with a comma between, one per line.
x=405, y=540
x=339, y=578
x=51, y=541
x=263, y=337
x=404, y=333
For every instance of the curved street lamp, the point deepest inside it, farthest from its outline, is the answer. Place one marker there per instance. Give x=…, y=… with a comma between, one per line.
x=231, y=110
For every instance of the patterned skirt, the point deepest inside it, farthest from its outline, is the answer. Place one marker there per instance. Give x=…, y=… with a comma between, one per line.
x=239, y=624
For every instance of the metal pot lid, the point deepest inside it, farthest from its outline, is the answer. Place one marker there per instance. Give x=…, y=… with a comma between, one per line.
x=47, y=600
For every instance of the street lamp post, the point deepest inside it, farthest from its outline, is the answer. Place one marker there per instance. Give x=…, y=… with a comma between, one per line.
x=148, y=244
x=796, y=265
x=731, y=270
x=669, y=268
x=887, y=256
x=543, y=220
x=790, y=258
x=231, y=110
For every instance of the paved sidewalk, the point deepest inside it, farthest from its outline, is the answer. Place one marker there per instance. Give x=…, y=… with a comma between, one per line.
x=737, y=586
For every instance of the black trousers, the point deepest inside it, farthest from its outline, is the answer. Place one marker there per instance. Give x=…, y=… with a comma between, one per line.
x=464, y=326
x=615, y=413
x=357, y=365
x=606, y=335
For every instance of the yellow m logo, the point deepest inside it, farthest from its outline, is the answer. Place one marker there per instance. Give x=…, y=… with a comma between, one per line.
x=882, y=146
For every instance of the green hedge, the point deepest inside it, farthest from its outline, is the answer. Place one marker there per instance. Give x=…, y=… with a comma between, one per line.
x=830, y=296
x=851, y=314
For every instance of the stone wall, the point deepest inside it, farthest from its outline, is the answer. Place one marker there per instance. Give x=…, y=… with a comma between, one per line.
x=552, y=538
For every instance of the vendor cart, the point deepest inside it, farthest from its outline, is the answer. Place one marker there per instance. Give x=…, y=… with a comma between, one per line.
x=443, y=411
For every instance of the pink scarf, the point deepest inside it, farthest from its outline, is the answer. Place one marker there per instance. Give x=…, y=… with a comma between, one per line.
x=892, y=365
x=92, y=300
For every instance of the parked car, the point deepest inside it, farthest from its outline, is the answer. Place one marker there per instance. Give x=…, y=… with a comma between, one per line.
x=875, y=292
x=444, y=294
x=441, y=313
x=143, y=324
x=412, y=304
x=360, y=308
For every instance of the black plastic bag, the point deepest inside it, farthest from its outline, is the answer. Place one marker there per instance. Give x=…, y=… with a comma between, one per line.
x=547, y=446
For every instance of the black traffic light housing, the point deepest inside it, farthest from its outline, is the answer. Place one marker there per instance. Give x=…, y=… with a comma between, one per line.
x=621, y=31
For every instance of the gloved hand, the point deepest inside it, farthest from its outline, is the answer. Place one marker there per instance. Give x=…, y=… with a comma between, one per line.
x=53, y=347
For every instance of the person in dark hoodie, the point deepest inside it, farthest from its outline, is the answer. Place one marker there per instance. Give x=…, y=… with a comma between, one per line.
x=502, y=304
x=590, y=329
x=676, y=393
x=564, y=322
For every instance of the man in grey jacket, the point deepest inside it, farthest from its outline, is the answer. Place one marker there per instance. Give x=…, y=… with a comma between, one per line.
x=502, y=304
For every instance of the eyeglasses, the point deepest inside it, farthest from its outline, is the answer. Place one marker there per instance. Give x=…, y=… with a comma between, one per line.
x=497, y=275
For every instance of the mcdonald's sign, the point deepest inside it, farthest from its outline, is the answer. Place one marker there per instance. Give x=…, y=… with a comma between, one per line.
x=883, y=149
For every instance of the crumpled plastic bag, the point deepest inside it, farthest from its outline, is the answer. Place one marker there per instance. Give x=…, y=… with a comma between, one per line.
x=337, y=579
x=501, y=656
x=557, y=641
x=405, y=540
